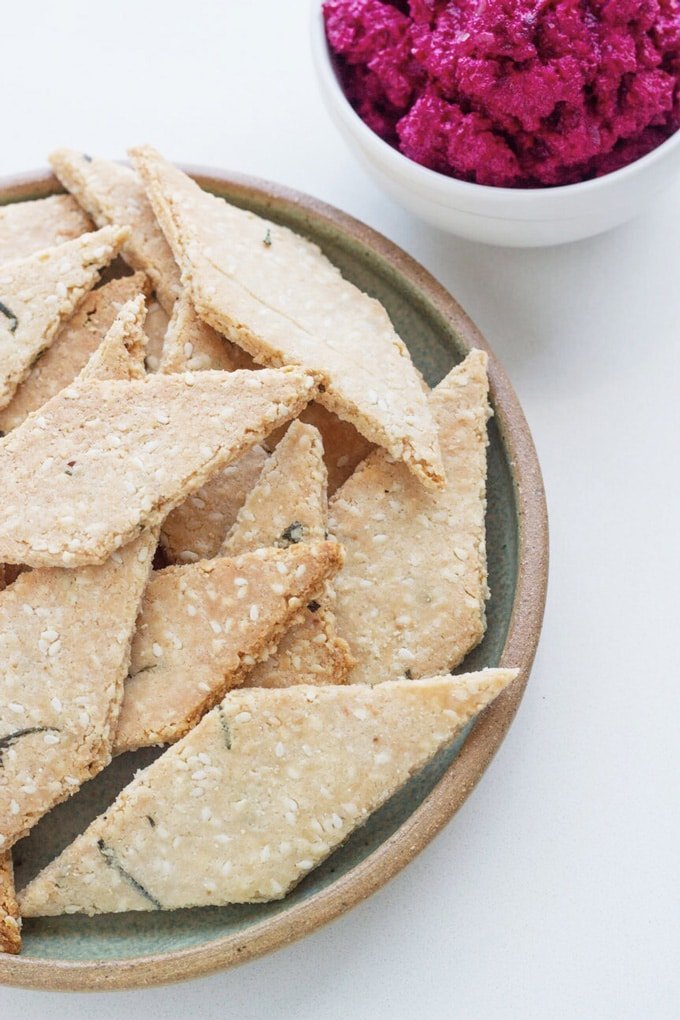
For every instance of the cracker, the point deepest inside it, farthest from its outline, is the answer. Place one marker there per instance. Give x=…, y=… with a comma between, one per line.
x=69, y=352
x=411, y=597
x=39, y=293
x=70, y=630
x=112, y=193
x=191, y=345
x=259, y=793
x=102, y=460
x=10, y=918
x=275, y=294
x=343, y=447
x=196, y=529
x=288, y=505
x=121, y=353
x=202, y=626
x=155, y=327
x=28, y=227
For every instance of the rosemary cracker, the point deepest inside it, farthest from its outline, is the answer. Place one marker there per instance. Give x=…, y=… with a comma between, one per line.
x=196, y=529
x=38, y=293
x=275, y=294
x=202, y=626
x=411, y=597
x=70, y=630
x=288, y=505
x=10, y=918
x=27, y=227
x=117, y=456
x=112, y=193
x=258, y=794
x=65, y=644
x=69, y=352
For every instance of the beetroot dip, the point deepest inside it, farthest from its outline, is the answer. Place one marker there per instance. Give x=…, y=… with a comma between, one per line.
x=512, y=93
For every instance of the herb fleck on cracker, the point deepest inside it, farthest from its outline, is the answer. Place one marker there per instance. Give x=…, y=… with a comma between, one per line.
x=13, y=321
x=11, y=738
x=293, y=534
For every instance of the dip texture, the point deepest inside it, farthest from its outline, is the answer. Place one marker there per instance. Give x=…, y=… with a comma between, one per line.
x=512, y=93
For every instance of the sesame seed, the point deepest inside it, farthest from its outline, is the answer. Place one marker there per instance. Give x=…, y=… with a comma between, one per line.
x=56, y=704
x=156, y=649
x=279, y=750
x=254, y=613
x=191, y=610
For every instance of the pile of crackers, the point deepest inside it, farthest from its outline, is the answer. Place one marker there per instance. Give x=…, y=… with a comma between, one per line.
x=235, y=523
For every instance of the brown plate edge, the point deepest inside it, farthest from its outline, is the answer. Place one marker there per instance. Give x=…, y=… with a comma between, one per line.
x=461, y=777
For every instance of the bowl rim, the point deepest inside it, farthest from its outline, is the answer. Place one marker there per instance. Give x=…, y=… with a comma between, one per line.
x=488, y=732
x=445, y=186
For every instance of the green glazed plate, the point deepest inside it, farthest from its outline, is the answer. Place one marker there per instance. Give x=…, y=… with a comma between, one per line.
x=128, y=950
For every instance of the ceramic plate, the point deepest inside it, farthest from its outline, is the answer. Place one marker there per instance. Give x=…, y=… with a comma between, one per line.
x=127, y=950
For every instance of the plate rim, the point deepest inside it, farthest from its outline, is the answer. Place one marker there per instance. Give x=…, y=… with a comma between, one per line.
x=462, y=775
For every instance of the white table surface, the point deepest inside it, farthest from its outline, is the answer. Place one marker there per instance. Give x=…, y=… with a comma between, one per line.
x=554, y=892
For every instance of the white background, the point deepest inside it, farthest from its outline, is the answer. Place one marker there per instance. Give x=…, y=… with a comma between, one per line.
x=554, y=893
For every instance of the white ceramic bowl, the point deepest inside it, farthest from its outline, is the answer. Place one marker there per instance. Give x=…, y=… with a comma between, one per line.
x=521, y=218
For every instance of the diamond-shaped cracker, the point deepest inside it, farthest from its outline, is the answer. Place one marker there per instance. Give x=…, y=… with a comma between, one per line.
x=203, y=625
x=257, y=795
x=69, y=352
x=39, y=293
x=196, y=529
x=275, y=294
x=102, y=460
x=10, y=918
x=112, y=193
x=65, y=638
x=288, y=505
x=411, y=597
x=27, y=227
x=65, y=646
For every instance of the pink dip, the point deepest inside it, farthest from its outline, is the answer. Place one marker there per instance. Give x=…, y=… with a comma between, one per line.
x=513, y=93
